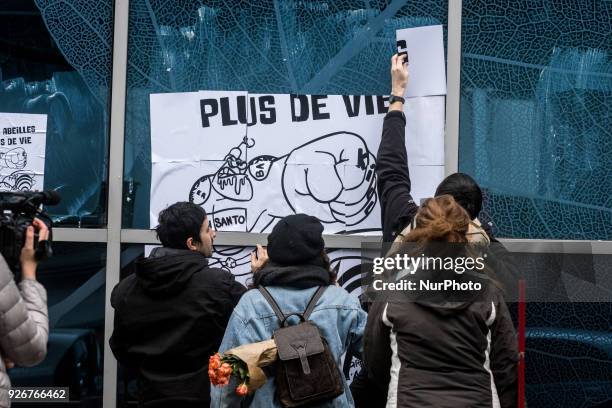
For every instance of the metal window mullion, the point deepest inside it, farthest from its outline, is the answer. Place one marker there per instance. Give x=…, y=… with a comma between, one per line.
x=115, y=190
x=453, y=82
x=79, y=235
x=147, y=237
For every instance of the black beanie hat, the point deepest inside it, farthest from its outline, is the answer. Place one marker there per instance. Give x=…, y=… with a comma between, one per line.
x=296, y=239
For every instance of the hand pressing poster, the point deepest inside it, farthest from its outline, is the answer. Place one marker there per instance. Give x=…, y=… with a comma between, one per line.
x=22, y=151
x=250, y=159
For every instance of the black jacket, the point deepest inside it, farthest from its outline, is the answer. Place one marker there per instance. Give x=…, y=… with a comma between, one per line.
x=170, y=317
x=443, y=354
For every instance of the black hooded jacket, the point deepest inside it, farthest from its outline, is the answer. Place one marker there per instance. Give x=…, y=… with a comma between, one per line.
x=170, y=317
x=443, y=354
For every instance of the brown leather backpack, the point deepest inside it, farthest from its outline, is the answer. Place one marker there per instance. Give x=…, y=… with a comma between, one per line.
x=306, y=372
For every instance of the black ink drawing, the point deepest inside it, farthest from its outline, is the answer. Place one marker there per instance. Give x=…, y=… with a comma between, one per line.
x=333, y=174
x=12, y=175
x=347, y=264
x=350, y=263
x=234, y=259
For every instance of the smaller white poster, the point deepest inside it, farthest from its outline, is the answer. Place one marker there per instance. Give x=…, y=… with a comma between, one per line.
x=425, y=130
x=424, y=180
x=425, y=47
x=22, y=151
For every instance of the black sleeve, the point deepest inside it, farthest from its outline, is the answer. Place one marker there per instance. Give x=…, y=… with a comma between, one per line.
x=393, y=178
x=230, y=297
x=505, y=269
x=377, y=347
x=119, y=340
x=504, y=356
x=366, y=393
x=501, y=261
x=489, y=230
x=235, y=290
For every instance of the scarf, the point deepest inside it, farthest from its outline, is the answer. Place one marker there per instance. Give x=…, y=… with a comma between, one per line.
x=302, y=276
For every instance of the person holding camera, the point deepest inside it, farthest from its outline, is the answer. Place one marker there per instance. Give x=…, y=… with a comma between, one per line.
x=24, y=320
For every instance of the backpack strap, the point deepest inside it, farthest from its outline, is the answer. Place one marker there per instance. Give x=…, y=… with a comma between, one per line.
x=272, y=303
x=313, y=301
x=279, y=313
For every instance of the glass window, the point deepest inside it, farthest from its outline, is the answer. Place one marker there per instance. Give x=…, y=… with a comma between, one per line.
x=535, y=115
x=327, y=47
x=55, y=59
x=75, y=282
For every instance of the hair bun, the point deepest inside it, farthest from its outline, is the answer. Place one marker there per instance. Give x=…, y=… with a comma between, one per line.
x=440, y=228
x=440, y=219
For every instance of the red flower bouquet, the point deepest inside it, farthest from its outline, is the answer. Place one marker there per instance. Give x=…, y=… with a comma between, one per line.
x=245, y=363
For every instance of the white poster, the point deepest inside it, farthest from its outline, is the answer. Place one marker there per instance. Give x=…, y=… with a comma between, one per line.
x=22, y=151
x=425, y=49
x=250, y=159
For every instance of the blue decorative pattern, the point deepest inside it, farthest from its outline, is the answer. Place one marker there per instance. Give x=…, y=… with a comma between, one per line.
x=535, y=131
x=83, y=31
x=72, y=89
x=536, y=97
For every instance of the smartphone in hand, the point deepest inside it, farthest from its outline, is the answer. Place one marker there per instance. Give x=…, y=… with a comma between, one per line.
x=402, y=49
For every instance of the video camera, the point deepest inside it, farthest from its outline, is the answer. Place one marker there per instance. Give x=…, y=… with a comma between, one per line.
x=17, y=212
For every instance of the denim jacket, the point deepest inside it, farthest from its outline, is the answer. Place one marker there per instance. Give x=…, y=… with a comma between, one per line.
x=337, y=315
